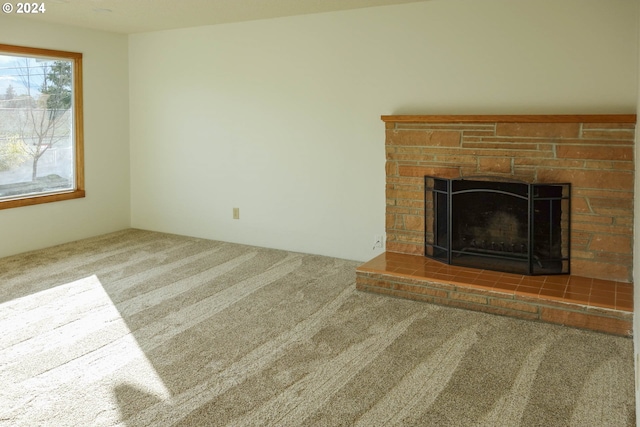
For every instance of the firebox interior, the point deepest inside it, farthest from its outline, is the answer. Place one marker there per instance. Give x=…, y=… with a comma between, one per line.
x=500, y=225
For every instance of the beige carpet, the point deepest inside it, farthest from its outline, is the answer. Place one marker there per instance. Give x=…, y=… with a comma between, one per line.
x=139, y=328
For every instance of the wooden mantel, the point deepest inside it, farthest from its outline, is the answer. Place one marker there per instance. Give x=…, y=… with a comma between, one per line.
x=557, y=118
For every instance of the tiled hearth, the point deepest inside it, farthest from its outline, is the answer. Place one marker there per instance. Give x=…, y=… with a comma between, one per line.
x=600, y=305
x=592, y=152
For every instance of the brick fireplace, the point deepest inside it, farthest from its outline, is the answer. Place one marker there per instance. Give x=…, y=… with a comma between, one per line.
x=592, y=152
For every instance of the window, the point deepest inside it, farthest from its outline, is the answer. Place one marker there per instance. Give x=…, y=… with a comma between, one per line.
x=41, y=144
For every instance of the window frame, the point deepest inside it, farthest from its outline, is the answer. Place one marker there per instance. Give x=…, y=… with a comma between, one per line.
x=78, y=128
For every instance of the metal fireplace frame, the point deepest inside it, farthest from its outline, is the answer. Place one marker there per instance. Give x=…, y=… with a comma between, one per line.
x=440, y=247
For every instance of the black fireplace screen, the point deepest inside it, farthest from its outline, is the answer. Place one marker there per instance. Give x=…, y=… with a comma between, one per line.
x=493, y=224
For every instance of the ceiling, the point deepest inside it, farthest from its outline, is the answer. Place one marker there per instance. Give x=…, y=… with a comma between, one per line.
x=136, y=16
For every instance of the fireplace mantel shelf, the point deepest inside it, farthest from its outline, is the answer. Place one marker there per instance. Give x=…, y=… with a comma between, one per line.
x=557, y=118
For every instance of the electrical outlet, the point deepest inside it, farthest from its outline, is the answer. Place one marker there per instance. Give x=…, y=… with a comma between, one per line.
x=236, y=213
x=378, y=241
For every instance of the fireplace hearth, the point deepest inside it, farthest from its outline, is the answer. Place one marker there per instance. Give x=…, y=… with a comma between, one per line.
x=497, y=224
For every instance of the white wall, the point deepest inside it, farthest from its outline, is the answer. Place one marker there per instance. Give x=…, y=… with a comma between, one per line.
x=106, y=141
x=281, y=117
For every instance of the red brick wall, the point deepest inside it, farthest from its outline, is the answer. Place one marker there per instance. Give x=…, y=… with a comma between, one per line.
x=593, y=153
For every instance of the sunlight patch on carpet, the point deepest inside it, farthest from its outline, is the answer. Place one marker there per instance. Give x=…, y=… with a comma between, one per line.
x=51, y=340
